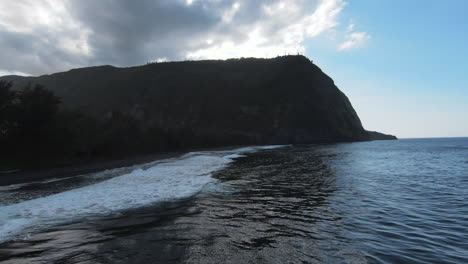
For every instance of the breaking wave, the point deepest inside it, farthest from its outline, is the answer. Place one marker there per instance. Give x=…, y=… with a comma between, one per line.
x=169, y=180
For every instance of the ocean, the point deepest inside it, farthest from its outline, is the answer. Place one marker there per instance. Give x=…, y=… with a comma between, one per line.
x=402, y=201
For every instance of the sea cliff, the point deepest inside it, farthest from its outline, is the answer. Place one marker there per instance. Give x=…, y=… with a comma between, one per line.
x=213, y=103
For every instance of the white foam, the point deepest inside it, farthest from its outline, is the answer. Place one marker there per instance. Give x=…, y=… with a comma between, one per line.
x=273, y=146
x=12, y=187
x=234, y=156
x=165, y=181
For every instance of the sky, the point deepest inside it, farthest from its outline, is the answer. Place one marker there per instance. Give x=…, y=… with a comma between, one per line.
x=403, y=64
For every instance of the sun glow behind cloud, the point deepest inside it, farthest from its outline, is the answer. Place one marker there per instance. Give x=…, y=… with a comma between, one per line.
x=281, y=29
x=55, y=35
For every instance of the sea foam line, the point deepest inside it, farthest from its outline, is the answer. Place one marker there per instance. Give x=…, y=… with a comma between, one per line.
x=165, y=181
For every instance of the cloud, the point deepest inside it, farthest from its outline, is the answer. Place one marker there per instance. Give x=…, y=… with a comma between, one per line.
x=350, y=27
x=281, y=29
x=38, y=36
x=354, y=40
x=44, y=36
x=3, y=73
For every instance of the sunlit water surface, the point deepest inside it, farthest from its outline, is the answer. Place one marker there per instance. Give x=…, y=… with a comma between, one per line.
x=402, y=201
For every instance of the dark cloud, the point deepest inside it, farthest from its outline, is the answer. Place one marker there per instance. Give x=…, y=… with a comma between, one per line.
x=34, y=53
x=44, y=36
x=132, y=32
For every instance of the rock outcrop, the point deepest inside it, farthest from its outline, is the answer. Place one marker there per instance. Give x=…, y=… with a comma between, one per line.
x=373, y=135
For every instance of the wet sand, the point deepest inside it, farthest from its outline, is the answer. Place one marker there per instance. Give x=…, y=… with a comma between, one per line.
x=32, y=175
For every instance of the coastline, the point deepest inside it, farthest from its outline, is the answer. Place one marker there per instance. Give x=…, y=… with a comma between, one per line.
x=33, y=175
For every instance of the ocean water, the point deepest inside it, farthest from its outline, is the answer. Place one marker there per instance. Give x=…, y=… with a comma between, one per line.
x=402, y=201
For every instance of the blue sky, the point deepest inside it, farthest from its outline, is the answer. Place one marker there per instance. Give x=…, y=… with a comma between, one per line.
x=403, y=64
x=411, y=77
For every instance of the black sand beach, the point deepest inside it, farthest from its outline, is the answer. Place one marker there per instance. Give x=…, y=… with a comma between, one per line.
x=31, y=175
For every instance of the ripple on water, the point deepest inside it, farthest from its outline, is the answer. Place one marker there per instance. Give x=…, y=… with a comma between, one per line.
x=368, y=202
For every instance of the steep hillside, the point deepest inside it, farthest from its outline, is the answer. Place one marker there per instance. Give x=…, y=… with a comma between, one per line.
x=238, y=101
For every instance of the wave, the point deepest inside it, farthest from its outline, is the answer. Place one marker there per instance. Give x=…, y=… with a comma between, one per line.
x=165, y=181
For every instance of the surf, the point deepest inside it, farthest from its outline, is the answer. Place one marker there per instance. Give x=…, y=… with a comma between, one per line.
x=166, y=181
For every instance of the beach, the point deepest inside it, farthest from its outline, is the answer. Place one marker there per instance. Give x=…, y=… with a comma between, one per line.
x=365, y=202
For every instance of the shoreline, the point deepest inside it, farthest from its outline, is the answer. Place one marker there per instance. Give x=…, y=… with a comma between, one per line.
x=33, y=175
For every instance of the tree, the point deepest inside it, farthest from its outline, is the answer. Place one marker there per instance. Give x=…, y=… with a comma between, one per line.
x=34, y=112
x=6, y=100
x=37, y=106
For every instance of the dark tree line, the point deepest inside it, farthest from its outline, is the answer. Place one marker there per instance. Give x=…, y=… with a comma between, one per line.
x=36, y=132
x=27, y=120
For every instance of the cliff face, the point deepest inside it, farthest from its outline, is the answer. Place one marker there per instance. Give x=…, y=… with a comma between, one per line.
x=240, y=101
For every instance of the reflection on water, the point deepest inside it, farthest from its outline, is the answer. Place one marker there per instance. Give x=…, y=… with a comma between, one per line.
x=373, y=202
x=268, y=207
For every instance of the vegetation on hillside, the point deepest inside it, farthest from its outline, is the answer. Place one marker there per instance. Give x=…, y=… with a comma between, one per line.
x=36, y=132
x=107, y=111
